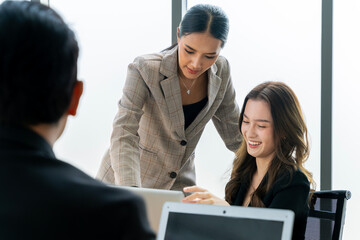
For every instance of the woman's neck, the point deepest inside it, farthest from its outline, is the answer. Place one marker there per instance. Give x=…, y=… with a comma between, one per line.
x=262, y=167
x=262, y=164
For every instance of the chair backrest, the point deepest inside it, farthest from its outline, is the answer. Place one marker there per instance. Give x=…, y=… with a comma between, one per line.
x=327, y=215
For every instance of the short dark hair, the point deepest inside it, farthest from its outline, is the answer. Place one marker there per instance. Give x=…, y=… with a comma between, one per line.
x=38, y=64
x=205, y=18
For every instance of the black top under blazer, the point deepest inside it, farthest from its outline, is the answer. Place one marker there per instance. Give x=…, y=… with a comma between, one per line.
x=44, y=198
x=286, y=193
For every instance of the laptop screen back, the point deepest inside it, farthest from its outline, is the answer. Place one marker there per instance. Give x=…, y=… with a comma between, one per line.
x=194, y=221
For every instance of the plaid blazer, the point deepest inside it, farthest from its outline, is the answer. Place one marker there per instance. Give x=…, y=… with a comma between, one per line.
x=149, y=145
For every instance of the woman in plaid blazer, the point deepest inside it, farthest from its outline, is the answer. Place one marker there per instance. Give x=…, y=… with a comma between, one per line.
x=167, y=100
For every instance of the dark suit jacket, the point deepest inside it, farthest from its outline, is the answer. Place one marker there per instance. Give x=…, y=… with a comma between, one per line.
x=286, y=193
x=44, y=198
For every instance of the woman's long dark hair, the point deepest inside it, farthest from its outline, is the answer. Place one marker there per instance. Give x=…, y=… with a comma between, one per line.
x=290, y=136
x=205, y=18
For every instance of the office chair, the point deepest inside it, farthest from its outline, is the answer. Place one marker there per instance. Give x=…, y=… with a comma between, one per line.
x=327, y=215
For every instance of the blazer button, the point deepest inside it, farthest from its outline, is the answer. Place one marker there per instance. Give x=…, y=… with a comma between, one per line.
x=183, y=142
x=173, y=174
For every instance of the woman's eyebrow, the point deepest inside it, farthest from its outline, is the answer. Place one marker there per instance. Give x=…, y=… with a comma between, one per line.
x=212, y=53
x=262, y=120
x=259, y=120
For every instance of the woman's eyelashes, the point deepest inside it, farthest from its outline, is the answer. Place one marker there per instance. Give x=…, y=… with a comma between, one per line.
x=259, y=126
x=191, y=52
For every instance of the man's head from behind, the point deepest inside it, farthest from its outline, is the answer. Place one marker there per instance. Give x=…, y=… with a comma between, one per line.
x=38, y=65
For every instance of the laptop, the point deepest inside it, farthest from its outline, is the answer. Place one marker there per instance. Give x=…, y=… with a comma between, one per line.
x=196, y=221
x=154, y=200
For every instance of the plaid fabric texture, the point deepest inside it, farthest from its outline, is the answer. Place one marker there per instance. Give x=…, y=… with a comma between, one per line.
x=146, y=149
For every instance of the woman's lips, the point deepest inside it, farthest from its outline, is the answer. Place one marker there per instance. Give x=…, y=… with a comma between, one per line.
x=253, y=144
x=192, y=71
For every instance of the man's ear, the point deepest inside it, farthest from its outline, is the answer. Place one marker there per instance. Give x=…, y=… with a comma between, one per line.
x=78, y=90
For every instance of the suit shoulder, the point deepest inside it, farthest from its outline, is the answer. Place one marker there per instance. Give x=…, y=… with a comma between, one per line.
x=148, y=67
x=300, y=177
x=222, y=62
x=291, y=179
x=79, y=182
x=148, y=59
x=222, y=68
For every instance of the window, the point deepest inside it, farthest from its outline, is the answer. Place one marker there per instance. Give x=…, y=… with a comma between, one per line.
x=346, y=107
x=110, y=34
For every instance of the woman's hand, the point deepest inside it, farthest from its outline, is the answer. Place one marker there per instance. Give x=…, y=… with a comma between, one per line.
x=202, y=196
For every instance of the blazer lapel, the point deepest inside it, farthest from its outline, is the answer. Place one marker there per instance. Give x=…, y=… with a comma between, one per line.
x=171, y=89
x=239, y=200
x=214, y=85
x=213, y=89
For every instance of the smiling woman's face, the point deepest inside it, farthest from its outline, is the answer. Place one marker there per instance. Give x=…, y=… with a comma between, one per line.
x=197, y=52
x=258, y=131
